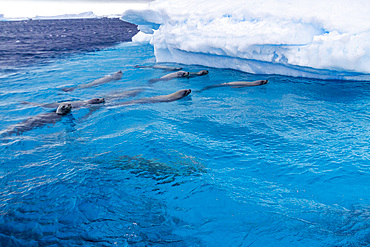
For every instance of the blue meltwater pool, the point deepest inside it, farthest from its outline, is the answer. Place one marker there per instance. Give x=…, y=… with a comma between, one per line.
x=282, y=164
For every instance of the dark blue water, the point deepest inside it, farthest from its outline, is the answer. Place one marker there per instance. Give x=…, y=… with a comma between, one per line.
x=283, y=164
x=34, y=41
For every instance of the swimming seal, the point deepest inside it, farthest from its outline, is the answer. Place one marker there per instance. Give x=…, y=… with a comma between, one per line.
x=237, y=84
x=112, y=97
x=114, y=77
x=178, y=74
x=200, y=73
x=38, y=120
x=167, y=68
x=161, y=98
x=75, y=104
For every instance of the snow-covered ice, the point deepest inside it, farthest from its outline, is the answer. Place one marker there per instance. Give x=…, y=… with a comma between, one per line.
x=310, y=38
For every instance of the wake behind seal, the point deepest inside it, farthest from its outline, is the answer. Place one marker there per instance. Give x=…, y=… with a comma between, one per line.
x=108, y=78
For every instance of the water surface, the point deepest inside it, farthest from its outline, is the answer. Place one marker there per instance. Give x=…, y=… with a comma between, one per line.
x=286, y=163
x=39, y=41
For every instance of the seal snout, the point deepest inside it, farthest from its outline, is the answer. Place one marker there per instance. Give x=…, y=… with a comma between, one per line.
x=64, y=108
x=187, y=92
x=118, y=75
x=96, y=101
x=183, y=73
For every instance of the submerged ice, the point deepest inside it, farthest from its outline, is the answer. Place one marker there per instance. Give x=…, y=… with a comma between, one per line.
x=322, y=39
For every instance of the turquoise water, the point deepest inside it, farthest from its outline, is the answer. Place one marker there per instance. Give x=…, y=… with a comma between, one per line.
x=283, y=164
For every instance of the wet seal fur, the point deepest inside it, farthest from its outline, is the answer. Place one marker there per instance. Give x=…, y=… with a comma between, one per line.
x=38, y=120
x=114, y=77
x=237, y=84
x=161, y=98
x=75, y=104
x=200, y=73
x=178, y=74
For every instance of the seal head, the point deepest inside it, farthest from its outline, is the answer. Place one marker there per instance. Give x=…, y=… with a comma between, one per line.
x=203, y=72
x=185, y=92
x=182, y=74
x=64, y=108
x=96, y=101
x=263, y=82
x=118, y=75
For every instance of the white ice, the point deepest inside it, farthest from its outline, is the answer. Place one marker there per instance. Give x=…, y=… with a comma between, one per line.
x=85, y=15
x=311, y=38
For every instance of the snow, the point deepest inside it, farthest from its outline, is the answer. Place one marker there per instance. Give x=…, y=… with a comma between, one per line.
x=142, y=37
x=311, y=38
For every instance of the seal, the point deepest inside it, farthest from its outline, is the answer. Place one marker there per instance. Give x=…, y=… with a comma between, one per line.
x=75, y=104
x=178, y=74
x=167, y=68
x=111, y=97
x=237, y=84
x=114, y=77
x=161, y=98
x=38, y=121
x=200, y=73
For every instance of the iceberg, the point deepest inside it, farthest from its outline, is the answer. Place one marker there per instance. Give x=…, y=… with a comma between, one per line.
x=304, y=38
x=3, y=18
x=85, y=15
